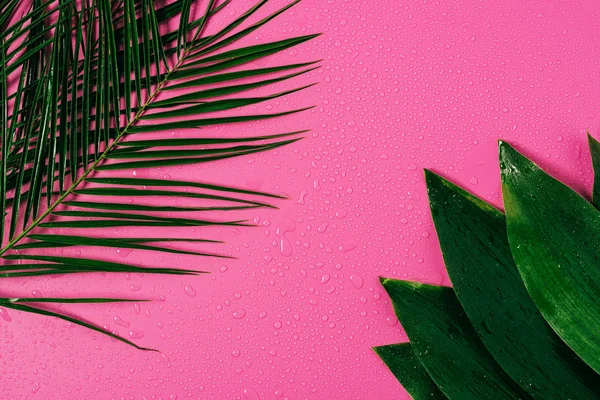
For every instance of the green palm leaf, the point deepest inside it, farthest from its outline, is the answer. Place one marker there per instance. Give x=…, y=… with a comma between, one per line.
x=88, y=74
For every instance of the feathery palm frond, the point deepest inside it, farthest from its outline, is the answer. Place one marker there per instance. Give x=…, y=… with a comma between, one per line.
x=79, y=82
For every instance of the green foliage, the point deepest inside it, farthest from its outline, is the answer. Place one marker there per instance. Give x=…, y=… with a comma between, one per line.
x=523, y=304
x=79, y=82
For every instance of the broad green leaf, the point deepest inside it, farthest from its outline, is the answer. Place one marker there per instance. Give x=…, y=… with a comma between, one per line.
x=594, y=146
x=447, y=345
x=472, y=235
x=407, y=368
x=554, y=236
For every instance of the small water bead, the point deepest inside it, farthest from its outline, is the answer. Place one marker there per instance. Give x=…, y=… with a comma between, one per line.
x=303, y=194
x=348, y=246
x=120, y=321
x=239, y=314
x=235, y=353
x=4, y=315
x=136, y=334
x=250, y=394
x=189, y=290
x=322, y=228
x=357, y=281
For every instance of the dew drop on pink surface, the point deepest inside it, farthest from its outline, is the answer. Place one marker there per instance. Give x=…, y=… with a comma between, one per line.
x=348, y=246
x=121, y=322
x=4, y=315
x=250, y=394
x=189, y=290
x=239, y=314
x=357, y=281
x=136, y=334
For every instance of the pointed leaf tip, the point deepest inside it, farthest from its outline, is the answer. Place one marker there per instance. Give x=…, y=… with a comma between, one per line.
x=594, y=147
x=554, y=237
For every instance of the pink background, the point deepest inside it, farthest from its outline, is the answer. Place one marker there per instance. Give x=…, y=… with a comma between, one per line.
x=403, y=85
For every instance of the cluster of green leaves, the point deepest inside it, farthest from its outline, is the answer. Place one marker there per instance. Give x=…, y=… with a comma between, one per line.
x=522, y=319
x=80, y=82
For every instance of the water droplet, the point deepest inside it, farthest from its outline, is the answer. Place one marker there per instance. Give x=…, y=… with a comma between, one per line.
x=239, y=314
x=4, y=315
x=357, y=281
x=120, y=321
x=250, y=394
x=189, y=290
x=348, y=246
x=302, y=196
x=136, y=334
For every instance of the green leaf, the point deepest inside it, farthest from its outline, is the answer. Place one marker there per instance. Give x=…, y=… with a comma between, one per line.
x=77, y=321
x=86, y=264
x=202, y=141
x=554, y=236
x=147, y=193
x=220, y=91
x=594, y=146
x=231, y=76
x=447, y=345
x=66, y=300
x=183, y=160
x=197, y=123
x=138, y=207
x=70, y=240
x=407, y=368
x=472, y=235
x=175, y=183
x=89, y=72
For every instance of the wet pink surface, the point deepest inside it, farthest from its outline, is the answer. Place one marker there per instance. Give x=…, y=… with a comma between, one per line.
x=403, y=85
